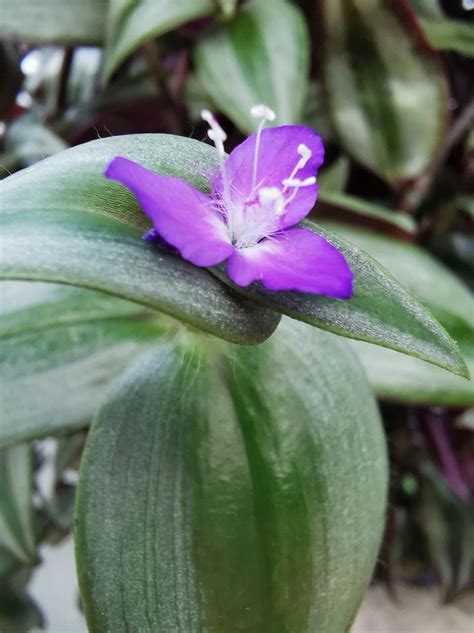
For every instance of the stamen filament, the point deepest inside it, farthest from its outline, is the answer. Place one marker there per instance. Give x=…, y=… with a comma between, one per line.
x=305, y=153
x=263, y=112
x=296, y=184
x=218, y=136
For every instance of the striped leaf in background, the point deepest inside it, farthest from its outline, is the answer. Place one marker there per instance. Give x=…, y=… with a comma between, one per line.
x=132, y=22
x=443, y=32
x=60, y=349
x=385, y=88
x=17, y=532
x=260, y=56
x=54, y=21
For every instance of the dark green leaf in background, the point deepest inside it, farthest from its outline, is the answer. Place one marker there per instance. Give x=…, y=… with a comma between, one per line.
x=442, y=32
x=133, y=22
x=17, y=533
x=332, y=204
x=333, y=179
x=27, y=140
x=253, y=485
x=60, y=348
x=54, y=21
x=385, y=89
x=260, y=56
x=450, y=35
x=18, y=612
x=449, y=531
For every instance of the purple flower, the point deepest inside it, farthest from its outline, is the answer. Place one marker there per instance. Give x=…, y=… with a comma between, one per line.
x=265, y=187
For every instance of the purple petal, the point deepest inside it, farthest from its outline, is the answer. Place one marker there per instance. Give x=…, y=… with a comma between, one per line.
x=183, y=216
x=278, y=155
x=295, y=259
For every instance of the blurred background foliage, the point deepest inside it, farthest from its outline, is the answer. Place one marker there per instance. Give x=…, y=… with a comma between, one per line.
x=388, y=85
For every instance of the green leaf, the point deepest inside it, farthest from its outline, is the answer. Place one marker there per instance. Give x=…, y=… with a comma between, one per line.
x=228, y=7
x=17, y=533
x=31, y=306
x=384, y=86
x=446, y=522
x=18, y=612
x=54, y=21
x=260, y=56
x=133, y=22
x=64, y=222
x=333, y=179
x=450, y=35
x=333, y=205
x=28, y=140
x=407, y=379
x=381, y=311
x=60, y=348
x=442, y=32
x=249, y=480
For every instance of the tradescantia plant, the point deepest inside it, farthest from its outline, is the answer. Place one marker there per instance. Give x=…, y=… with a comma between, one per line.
x=200, y=338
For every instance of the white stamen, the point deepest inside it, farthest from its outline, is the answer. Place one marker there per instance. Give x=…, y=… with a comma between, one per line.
x=305, y=153
x=218, y=136
x=262, y=111
x=296, y=182
x=216, y=133
x=269, y=196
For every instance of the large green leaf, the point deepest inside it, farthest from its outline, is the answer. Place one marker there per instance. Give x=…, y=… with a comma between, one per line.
x=249, y=481
x=58, y=21
x=450, y=35
x=17, y=533
x=260, y=56
x=133, y=22
x=385, y=88
x=381, y=311
x=407, y=379
x=60, y=348
x=443, y=32
x=64, y=222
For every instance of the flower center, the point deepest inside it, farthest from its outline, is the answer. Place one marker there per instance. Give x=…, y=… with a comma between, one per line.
x=259, y=215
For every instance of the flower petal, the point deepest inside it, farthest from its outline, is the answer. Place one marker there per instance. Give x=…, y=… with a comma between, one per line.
x=295, y=259
x=182, y=215
x=277, y=157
